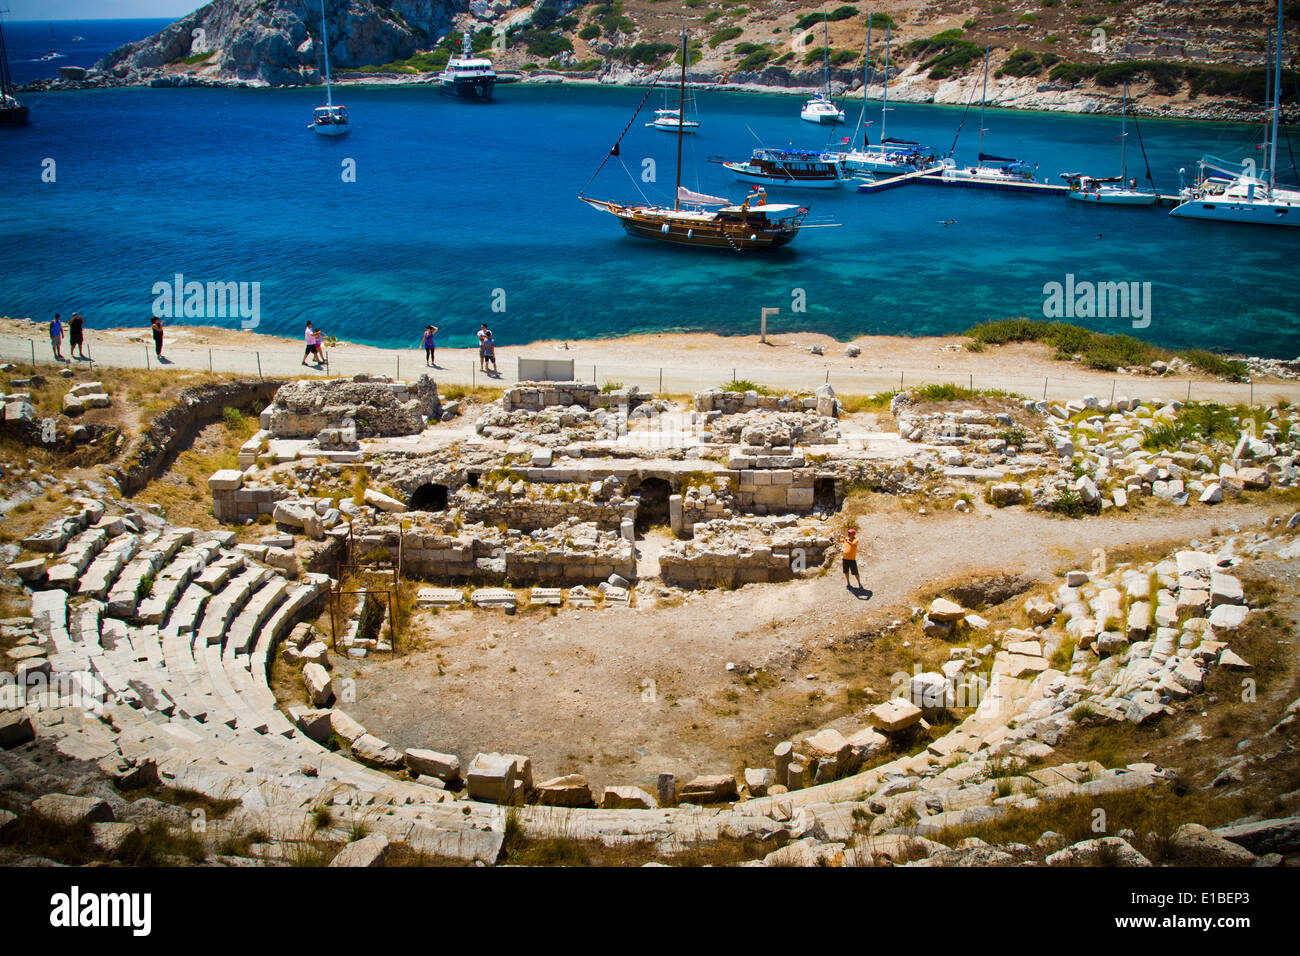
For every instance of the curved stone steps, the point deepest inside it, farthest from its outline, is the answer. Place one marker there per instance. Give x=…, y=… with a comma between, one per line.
x=103, y=571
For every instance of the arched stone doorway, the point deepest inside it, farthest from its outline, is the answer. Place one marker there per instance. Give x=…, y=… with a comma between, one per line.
x=429, y=497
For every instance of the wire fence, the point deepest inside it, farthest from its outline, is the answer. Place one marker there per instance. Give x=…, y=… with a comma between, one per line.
x=462, y=367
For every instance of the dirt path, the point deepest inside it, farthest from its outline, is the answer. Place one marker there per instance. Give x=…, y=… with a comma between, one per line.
x=624, y=694
x=666, y=362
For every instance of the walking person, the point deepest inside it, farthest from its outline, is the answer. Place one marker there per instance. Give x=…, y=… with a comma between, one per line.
x=56, y=337
x=429, y=332
x=309, y=341
x=849, y=559
x=483, y=336
x=157, y=328
x=318, y=340
x=490, y=353
x=75, y=347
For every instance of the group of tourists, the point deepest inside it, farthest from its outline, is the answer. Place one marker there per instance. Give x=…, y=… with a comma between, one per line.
x=76, y=338
x=315, y=342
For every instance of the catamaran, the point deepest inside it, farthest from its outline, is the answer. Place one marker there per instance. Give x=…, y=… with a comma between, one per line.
x=670, y=120
x=1238, y=193
x=468, y=77
x=54, y=53
x=1114, y=190
x=697, y=219
x=332, y=118
x=821, y=109
x=991, y=170
x=12, y=113
x=891, y=157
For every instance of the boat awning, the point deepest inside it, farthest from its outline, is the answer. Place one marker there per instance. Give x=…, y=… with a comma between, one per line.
x=989, y=157
x=699, y=199
x=765, y=208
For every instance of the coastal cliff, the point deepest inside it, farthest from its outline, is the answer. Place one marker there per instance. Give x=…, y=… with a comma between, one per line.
x=1204, y=60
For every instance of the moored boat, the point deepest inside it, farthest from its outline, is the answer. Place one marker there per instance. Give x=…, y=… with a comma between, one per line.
x=699, y=220
x=332, y=118
x=468, y=77
x=792, y=168
x=1113, y=190
x=1235, y=192
x=821, y=109
x=12, y=113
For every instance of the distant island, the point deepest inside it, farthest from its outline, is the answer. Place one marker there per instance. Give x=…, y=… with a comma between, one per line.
x=1205, y=61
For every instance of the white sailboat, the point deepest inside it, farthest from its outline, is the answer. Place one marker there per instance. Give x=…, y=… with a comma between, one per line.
x=889, y=157
x=821, y=109
x=332, y=118
x=673, y=120
x=1113, y=190
x=989, y=169
x=1235, y=192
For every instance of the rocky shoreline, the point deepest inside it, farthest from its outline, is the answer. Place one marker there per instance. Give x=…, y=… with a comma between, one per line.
x=907, y=86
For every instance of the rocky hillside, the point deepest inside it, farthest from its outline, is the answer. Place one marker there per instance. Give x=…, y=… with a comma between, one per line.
x=1192, y=57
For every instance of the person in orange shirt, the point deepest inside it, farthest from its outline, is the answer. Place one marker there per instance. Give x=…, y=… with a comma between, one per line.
x=849, y=560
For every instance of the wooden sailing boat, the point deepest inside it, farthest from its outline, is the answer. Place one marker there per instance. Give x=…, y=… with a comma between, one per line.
x=695, y=219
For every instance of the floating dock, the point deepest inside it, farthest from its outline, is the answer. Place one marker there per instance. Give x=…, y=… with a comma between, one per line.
x=934, y=176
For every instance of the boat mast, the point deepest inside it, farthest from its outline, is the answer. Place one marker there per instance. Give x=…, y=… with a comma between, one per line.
x=325, y=40
x=1277, y=101
x=681, y=119
x=4, y=66
x=866, y=78
x=884, y=99
x=1123, y=134
x=983, y=98
x=826, y=53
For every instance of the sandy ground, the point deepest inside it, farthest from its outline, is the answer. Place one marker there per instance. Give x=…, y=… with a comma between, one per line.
x=570, y=689
x=664, y=362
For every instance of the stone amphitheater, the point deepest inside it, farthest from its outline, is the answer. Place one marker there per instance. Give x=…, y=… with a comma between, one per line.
x=164, y=675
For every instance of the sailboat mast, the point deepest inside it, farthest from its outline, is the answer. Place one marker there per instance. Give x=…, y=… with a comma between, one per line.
x=866, y=78
x=325, y=41
x=1123, y=133
x=681, y=119
x=983, y=99
x=4, y=64
x=1277, y=101
x=884, y=99
x=826, y=53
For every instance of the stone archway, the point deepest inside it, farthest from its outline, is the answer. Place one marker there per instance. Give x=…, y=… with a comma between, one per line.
x=653, y=507
x=429, y=497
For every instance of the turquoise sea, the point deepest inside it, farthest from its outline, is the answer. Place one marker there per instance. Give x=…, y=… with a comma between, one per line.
x=459, y=208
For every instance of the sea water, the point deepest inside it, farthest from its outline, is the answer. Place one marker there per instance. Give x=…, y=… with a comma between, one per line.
x=435, y=211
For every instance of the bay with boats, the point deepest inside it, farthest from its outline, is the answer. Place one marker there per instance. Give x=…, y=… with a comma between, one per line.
x=453, y=209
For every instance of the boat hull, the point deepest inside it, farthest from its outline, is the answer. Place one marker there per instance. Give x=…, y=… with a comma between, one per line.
x=1259, y=214
x=701, y=238
x=822, y=119
x=763, y=179
x=687, y=127
x=330, y=129
x=475, y=89
x=1114, y=199
x=14, y=116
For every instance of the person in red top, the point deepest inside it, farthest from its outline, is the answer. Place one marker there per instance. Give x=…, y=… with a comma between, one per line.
x=849, y=559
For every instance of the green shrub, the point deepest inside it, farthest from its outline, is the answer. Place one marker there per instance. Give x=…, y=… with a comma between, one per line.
x=1022, y=63
x=839, y=13
x=744, y=385
x=589, y=32
x=723, y=35
x=644, y=52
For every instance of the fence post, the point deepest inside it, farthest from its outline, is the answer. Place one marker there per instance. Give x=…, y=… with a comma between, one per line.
x=1112, y=392
x=972, y=381
x=146, y=358
x=259, y=364
x=209, y=361
x=32, y=342
x=1189, y=389
x=1044, y=388
x=661, y=381
x=399, y=368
